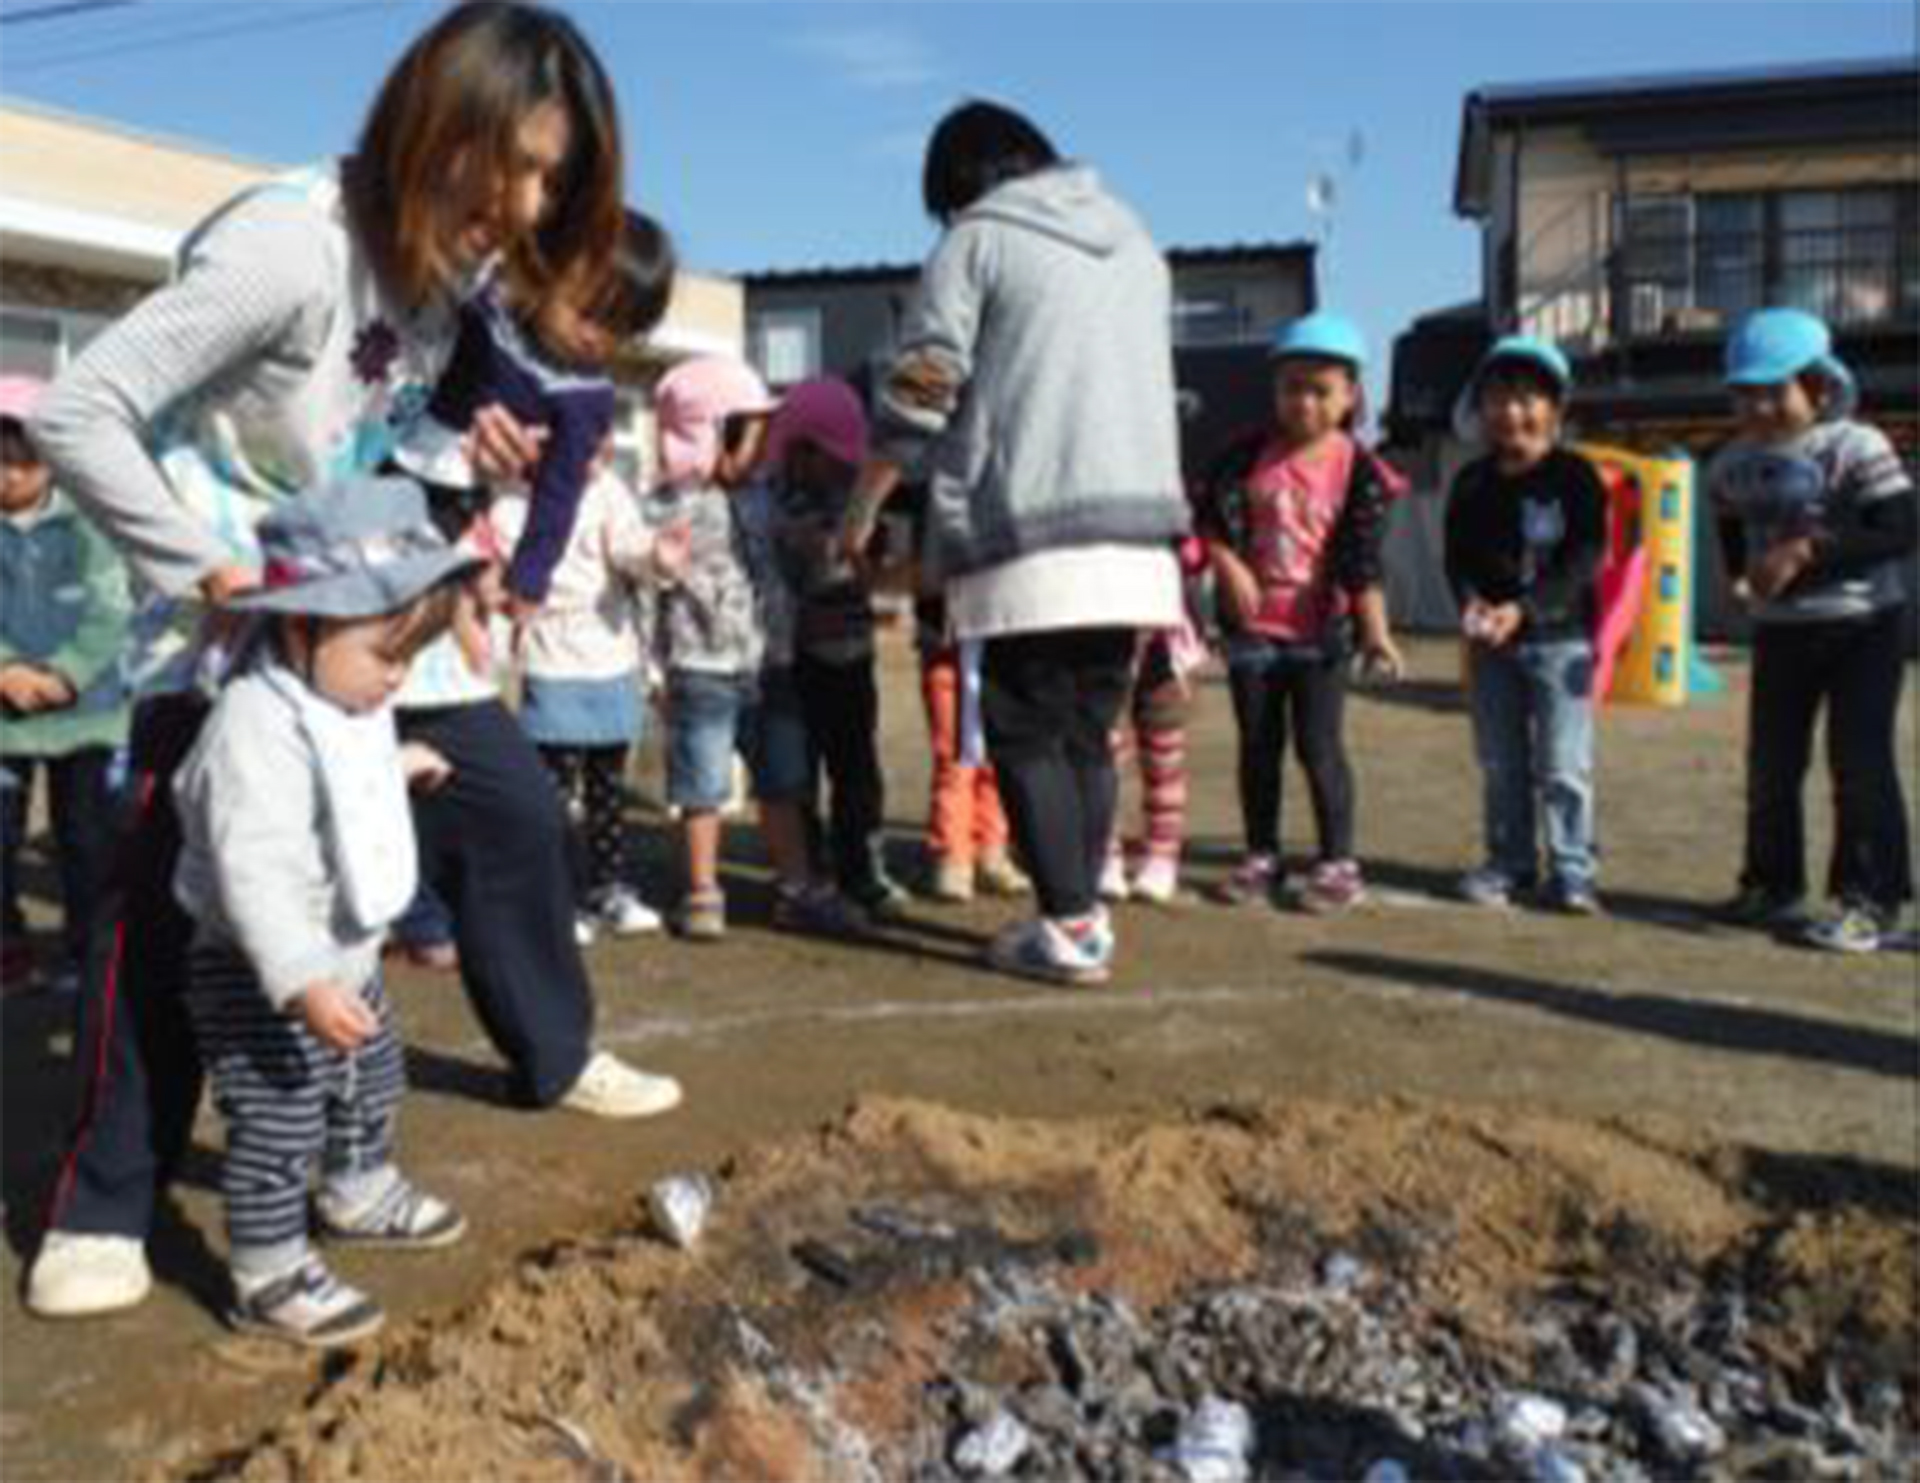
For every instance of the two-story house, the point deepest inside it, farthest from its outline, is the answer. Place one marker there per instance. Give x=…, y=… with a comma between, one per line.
x=1634, y=221
x=846, y=322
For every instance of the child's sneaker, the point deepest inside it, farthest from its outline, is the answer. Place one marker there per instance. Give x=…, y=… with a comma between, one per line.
x=951, y=881
x=999, y=876
x=1487, y=887
x=1040, y=949
x=621, y=911
x=1571, y=898
x=817, y=908
x=1333, y=886
x=1253, y=879
x=404, y=1217
x=307, y=1306
x=1157, y=880
x=1756, y=906
x=703, y=916
x=1855, y=928
x=608, y=1087
x=585, y=934
x=880, y=896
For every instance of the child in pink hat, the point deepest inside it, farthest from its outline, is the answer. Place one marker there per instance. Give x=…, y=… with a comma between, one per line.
x=711, y=632
x=817, y=444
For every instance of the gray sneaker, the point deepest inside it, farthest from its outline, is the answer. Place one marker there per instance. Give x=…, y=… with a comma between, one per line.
x=1855, y=928
x=308, y=1306
x=1487, y=887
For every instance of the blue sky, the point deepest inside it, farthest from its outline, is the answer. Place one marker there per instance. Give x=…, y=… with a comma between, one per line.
x=789, y=135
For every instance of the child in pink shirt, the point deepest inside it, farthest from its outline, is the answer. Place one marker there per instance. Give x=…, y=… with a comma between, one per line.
x=1293, y=518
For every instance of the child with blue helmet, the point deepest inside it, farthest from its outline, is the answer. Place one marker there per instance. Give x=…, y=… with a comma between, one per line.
x=1817, y=524
x=1293, y=517
x=1526, y=527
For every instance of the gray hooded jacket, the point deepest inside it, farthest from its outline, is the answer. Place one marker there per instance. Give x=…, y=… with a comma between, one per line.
x=1047, y=305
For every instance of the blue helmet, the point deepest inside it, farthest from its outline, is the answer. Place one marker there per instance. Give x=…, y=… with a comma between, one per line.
x=1322, y=336
x=1775, y=345
x=1526, y=350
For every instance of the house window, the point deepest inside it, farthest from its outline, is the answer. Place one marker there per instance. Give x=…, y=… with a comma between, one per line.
x=1211, y=316
x=1838, y=254
x=1701, y=262
x=38, y=342
x=786, y=345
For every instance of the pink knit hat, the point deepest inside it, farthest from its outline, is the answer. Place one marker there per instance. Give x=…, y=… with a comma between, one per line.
x=19, y=395
x=825, y=412
x=691, y=405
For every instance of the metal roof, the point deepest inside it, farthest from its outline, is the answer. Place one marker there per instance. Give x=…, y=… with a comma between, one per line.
x=1229, y=254
x=1806, y=104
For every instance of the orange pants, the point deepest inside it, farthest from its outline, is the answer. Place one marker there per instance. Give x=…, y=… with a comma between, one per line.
x=964, y=817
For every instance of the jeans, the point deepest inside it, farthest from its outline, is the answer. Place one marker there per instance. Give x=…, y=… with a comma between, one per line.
x=1277, y=690
x=706, y=718
x=1855, y=669
x=1050, y=701
x=1533, y=732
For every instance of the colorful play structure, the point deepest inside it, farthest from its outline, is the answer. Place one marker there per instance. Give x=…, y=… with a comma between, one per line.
x=1645, y=652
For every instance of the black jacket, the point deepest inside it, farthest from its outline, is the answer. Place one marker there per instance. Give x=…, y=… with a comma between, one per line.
x=1535, y=538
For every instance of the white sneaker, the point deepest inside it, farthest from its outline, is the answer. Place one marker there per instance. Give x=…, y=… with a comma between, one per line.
x=583, y=931
x=77, y=1275
x=609, y=1087
x=621, y=911
x=1113, y=879
x=1157, y=880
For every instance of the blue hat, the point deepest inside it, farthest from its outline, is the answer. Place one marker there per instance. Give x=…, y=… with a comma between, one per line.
x=1322, y=336
x=356, y=548
x=1775, y=345
x=1509, y=350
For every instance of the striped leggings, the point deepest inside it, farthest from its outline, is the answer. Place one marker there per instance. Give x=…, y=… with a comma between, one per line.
x=289, y=1103
x=1157, y=738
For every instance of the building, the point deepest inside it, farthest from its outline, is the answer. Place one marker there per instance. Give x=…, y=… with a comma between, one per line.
x=1634, y=221
x=846, y=322
x=91, y=215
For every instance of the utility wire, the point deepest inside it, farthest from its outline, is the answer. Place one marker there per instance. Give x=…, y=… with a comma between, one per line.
x=58, y=11
x=278, y=21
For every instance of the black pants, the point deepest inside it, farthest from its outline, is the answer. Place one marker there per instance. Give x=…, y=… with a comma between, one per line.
x=841, y=706
x=139, y=1071
x=1050, y=701
x=80, y=806
x=1275, y=695
x=1855, y=669
x=493, y=846
x=589, y=782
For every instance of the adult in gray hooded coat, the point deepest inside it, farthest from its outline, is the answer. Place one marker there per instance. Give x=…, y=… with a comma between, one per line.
x=1033, y=388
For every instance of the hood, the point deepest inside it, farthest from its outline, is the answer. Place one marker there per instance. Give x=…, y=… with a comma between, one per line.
x=1065, y=202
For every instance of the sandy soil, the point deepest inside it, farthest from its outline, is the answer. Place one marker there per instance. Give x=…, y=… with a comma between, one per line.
x=1504, y=1079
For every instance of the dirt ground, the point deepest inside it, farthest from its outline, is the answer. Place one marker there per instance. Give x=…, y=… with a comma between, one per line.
x=1720, y=1088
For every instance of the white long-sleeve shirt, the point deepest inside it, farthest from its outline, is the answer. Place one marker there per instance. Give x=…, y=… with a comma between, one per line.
x=591, y=625
x=297, y=838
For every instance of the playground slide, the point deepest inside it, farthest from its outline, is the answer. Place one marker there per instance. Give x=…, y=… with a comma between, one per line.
x=1623, y=587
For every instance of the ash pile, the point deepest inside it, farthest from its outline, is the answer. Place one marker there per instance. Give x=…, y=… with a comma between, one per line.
x=1344, y=1369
